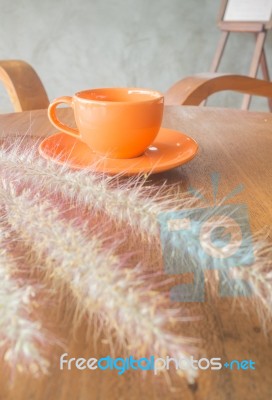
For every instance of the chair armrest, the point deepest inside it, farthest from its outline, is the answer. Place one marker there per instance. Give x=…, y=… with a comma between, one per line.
x=194, y=89
x=23, y=85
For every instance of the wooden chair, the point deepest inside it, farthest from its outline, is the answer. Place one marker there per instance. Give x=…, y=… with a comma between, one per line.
x=27, y=92
x=23, y=85
x=195, y=89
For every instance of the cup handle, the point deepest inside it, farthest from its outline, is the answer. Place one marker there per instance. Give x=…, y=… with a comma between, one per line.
x=55, y=121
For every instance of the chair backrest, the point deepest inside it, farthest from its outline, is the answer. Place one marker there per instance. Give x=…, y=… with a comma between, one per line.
x=23, y=85
x=27, y=92
x=195, y=89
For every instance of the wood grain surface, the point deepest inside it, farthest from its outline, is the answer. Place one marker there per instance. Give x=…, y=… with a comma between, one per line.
x=237, y=145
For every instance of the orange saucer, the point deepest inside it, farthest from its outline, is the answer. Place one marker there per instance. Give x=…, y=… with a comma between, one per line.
x=169, y=150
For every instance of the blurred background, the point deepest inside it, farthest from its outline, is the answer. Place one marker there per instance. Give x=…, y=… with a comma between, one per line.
x=76, y=45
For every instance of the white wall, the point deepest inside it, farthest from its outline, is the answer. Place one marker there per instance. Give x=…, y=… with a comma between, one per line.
x=77, y=44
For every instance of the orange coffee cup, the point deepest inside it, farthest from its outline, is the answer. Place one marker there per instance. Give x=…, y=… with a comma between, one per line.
x=115, y=122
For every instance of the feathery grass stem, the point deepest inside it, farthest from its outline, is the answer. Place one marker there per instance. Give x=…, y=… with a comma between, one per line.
x=136, y=314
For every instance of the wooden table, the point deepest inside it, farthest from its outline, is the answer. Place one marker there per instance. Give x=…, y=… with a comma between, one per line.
x=237, y=145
